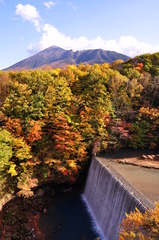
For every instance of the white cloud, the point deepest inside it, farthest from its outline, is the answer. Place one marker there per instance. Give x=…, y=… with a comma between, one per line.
x=70, y=4
x=128, y=45
x=51, y=36
x=49, y=4
x=29, y=13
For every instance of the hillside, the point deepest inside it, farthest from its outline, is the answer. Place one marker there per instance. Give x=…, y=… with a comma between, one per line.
x=53, y=120
x=58, y=57
x=149, y=63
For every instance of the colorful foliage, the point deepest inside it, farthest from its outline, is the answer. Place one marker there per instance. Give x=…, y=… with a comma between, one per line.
x=141, y=226
x=34, y=132
x=52, y=120
x=144, y=131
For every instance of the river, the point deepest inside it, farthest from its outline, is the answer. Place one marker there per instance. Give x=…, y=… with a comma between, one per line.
x=67, y=219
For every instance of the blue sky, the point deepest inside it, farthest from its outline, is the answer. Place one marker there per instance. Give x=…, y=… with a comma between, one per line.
x=130, y=27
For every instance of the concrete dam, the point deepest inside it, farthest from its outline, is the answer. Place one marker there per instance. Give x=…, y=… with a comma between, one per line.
x=109, y=196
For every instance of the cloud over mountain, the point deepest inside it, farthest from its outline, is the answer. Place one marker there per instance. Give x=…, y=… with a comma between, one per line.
x=51, y=36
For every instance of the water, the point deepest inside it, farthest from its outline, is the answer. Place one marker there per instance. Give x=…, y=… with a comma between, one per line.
x=109, y=199
x=67, y=219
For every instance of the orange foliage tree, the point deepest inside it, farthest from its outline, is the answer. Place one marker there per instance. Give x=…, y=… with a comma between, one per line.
x=69, y=150
x=34, y=132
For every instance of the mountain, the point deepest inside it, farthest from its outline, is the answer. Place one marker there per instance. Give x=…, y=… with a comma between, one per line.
x=58, y=57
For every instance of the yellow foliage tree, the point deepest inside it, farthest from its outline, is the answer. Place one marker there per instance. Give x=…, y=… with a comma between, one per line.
x=141, y=226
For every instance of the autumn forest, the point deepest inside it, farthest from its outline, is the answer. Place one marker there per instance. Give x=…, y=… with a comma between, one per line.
x=53, y=120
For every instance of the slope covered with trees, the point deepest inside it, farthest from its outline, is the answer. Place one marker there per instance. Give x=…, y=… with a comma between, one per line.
x=52, y=121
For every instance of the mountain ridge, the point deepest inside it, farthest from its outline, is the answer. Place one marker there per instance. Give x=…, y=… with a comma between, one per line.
x=58, y=57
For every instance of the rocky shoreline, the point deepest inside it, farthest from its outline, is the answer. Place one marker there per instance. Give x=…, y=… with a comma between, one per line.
x=19, y=218
x=148, y=161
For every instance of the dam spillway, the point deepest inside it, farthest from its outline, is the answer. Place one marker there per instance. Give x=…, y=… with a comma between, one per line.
x=109, y=196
